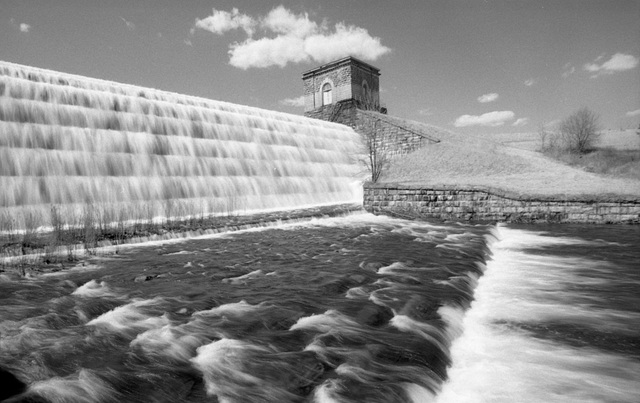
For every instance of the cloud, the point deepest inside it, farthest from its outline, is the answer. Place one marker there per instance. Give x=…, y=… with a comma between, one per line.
x=22, y=27
x=129, y=24
x=568, y=70
x=618, y=62
x=529, y=82
x=290, y=38
x=221, y=22
x=492, y=119
x=282, y=21
x=633, y=113
x=188, y=42
x=521, y=122
x=483, y=99
x=425, y=112
x=297, y=102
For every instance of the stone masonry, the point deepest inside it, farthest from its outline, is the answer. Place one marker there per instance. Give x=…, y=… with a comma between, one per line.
x=348, y=78
x=356, y=103
x=490, y=205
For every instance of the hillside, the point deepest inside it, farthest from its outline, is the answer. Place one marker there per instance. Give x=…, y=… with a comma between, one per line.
x=468, y=160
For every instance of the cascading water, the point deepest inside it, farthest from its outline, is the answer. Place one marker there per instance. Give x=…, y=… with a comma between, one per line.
x=74, y=141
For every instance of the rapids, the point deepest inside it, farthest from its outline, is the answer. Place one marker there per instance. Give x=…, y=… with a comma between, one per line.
x=349, y=309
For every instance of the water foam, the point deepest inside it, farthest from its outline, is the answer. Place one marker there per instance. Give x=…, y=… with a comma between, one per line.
x=131, y=317
x=497, y=362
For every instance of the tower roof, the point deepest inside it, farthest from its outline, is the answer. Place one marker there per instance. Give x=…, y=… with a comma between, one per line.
x=339, y=63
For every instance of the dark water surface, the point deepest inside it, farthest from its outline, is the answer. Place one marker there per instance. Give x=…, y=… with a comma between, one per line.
x=351, y=309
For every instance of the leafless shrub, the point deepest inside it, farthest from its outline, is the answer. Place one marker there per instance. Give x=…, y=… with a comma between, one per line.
x=31, y=221
x=89, y=229
x=580, y=131
x=377, y=157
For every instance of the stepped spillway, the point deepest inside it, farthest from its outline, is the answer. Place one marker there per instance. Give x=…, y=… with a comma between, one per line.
x=74, y=142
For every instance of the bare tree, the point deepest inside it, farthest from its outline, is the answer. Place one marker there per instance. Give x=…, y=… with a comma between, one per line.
x=543, y=136
x=377, y=157
x=581, y=130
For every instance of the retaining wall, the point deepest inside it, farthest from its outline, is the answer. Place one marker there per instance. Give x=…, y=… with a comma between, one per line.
x=395, y=135
x=475, y=204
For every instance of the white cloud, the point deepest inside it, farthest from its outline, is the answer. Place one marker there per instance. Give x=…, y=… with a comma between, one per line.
x=529, y=82
x=290, y=38
x=568, y=69
x=266, y=52
x=22, y=27
x=221, y=22
x=633, y=113
x=282, y=21
x=483, y=99
x=618, y=62
x=129, y=24
x=496, y=118
x=297, y=102
x=344, y=41
x=521, y=122
x=425, y=112
x=188, y=42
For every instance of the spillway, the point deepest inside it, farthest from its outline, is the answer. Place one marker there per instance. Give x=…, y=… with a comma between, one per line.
x=73, y=141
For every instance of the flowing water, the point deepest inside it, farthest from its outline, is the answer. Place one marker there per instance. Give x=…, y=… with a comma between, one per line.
x=351, y=309
x=74, y=141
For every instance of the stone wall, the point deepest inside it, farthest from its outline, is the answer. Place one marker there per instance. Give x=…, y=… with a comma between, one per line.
x=396, y=137
x=344, y=112
x=475, y=204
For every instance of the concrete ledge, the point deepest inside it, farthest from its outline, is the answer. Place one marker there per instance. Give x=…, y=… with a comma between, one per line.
x=471, y=203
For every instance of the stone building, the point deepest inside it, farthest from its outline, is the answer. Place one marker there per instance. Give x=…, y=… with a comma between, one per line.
x=334, y=90
x=347, y=91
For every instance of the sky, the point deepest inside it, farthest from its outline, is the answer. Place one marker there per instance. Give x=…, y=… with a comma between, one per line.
x=469, y=66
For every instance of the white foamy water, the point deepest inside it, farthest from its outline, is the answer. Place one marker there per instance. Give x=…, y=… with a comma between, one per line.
x=131, y=151
x=496, y=360
x=130, y=317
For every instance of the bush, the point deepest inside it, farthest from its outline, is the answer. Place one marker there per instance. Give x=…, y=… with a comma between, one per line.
x=580, y=131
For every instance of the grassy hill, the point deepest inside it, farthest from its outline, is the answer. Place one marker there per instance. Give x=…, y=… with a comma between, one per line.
x=510, y=164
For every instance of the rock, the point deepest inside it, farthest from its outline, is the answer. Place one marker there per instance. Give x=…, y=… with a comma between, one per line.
x=143, y=278
x=11, y=385
x=371, y=266
x=358, y=278
x=374, y=315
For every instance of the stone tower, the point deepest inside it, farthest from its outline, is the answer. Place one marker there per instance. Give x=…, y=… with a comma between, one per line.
x=335, y=90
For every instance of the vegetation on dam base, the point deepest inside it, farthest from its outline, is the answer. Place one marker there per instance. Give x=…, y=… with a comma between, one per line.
x=50, y=250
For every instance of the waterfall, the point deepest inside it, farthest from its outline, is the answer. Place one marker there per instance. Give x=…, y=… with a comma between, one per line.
x=72, y=141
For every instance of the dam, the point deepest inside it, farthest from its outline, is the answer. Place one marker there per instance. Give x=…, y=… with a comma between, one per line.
x=357, y=308
x=128, y=151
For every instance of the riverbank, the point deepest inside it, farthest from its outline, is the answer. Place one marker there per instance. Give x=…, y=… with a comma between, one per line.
x=472, y=178
x=56, y=250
